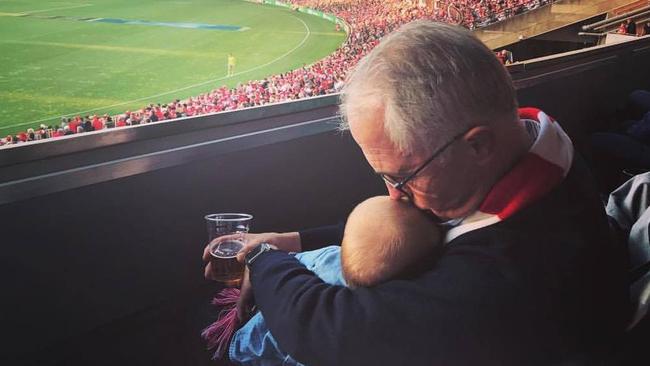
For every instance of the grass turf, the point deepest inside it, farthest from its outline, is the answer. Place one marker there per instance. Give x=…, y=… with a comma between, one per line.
x=55, y=61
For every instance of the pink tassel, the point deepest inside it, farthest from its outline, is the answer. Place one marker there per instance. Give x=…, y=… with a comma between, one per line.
x=219, y=333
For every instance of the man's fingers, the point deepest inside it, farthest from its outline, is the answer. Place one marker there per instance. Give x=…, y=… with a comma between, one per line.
x=241, y=256
x=206, y=253
x=248, y=246
x=208, y=271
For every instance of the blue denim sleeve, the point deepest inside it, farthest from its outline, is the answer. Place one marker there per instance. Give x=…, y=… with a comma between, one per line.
x=254, y=345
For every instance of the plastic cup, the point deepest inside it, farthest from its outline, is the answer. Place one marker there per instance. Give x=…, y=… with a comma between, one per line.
x=225, y=267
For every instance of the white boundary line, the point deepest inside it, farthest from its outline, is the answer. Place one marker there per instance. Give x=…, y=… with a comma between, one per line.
x=59, y=8
x=307, y=35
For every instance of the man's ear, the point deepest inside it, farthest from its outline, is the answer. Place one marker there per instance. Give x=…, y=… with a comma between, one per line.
x=481, y=142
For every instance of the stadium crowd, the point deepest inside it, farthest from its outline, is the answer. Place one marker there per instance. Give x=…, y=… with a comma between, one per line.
x=368, y=21
x=631, y=28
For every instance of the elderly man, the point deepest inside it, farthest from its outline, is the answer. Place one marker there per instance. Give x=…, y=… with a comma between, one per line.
x=529, y=275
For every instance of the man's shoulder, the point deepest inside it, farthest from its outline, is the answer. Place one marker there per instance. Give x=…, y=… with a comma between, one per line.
x=569, y=220
x=558, y=249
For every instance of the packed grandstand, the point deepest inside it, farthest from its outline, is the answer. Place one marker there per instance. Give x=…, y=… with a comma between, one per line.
x=368, y=21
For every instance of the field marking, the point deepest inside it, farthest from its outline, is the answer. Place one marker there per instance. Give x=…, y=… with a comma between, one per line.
x=149, y=23
x=24, y=13
x=59, y=8
x=307, y=35
x=151, y=51
x=338, y=34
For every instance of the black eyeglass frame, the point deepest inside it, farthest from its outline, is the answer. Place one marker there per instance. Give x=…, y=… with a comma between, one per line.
x=401, y=184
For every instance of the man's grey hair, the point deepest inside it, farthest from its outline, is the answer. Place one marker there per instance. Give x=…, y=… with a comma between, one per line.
x=431, y=81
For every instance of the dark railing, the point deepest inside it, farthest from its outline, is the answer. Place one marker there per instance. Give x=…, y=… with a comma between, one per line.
x=615, y=21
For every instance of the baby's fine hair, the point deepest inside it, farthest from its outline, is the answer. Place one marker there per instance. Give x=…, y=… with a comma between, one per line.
x=385, y=239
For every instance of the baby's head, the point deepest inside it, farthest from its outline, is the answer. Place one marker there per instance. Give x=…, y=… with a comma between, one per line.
x=385, y=239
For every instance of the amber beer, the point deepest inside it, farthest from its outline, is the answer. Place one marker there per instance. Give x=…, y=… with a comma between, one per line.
x=226, y=268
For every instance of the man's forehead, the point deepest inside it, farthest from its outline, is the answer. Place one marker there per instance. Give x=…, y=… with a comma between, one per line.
x=385, y=158
x=373, y=139
x=368, y=128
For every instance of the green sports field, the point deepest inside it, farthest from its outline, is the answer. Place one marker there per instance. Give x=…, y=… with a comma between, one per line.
x=61, y=58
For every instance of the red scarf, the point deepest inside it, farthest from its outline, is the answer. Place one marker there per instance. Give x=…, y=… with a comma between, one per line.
x=542, y=168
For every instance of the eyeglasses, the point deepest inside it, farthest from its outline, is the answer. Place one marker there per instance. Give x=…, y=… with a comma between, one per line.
x=400, y=185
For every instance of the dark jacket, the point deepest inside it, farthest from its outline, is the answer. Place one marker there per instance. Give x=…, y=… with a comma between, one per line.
x=543, y=286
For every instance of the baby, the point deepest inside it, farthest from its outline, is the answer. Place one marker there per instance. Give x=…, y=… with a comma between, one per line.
x=383, y=240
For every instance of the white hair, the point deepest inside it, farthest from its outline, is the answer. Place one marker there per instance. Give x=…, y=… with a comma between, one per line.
x=431, y=81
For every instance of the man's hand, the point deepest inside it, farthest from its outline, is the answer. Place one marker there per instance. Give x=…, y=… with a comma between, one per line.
x=289, y=242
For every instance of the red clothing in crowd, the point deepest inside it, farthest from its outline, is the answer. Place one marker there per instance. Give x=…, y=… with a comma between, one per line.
x=97, y=124
x=73, y=125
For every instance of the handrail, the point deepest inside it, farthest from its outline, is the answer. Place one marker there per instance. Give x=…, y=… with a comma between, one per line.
x=635, y=17
x=591, y=34
x=634, y=13
x=543, y=69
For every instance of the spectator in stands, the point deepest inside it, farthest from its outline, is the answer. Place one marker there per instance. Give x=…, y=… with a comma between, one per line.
x=504, y=56
x=108, y=120
x=528, y=276
x=87, y=125
x=74, y=123
x=44, y=132
x=646, y=29
x=630, y=27
x=97, y=123
x=501, y=57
